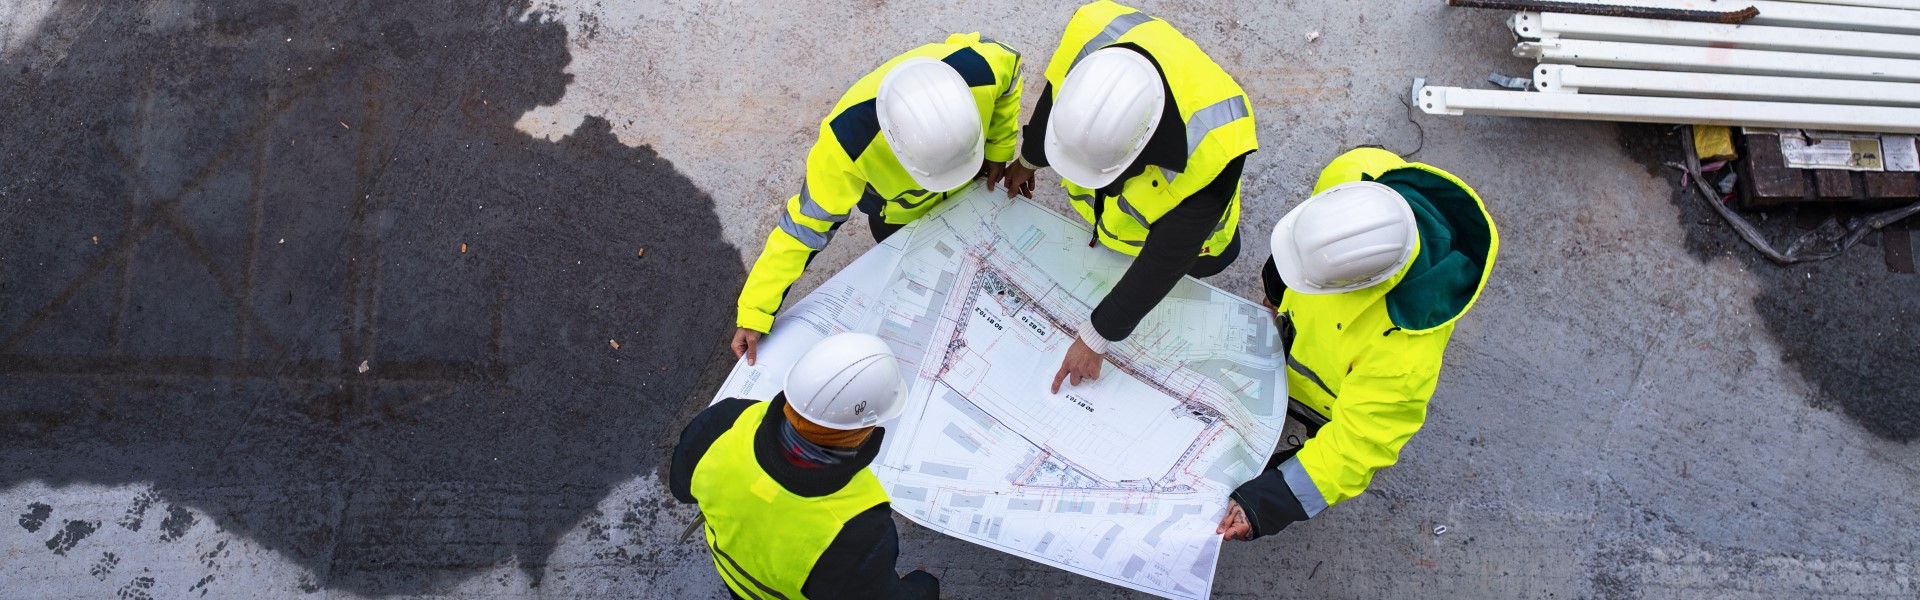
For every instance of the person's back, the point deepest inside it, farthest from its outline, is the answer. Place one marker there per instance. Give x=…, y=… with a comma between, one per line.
x=791, y=509
x=896, y=145
x=1368, y=278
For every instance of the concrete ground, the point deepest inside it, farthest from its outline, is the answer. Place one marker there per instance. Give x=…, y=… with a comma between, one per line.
x=348, y=300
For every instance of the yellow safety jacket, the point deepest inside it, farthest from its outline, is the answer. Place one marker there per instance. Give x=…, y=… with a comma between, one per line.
x=765, y=539
x=852, y=165
x=1218, y=117
x=1368, y=360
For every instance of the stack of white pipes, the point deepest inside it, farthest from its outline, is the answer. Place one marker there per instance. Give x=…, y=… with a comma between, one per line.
x=1839, y=65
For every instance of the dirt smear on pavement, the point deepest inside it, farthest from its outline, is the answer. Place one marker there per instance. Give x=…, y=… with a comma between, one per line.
x=291, y=265
x=1849, y=325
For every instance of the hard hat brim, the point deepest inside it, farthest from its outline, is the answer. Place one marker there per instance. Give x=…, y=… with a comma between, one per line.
x=1082, y=175
x=951, y=179
x=1286, y=254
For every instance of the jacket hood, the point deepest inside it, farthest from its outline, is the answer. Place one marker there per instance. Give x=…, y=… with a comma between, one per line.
x=1458, y=244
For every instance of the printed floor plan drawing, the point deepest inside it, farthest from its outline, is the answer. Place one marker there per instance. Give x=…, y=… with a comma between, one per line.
x=1122, y=478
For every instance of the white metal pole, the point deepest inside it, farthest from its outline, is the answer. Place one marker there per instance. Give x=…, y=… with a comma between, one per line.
x=1718, y=60
x=1569, y=79
x=1736, y=113
x=1548, y=26
x=1800, y=14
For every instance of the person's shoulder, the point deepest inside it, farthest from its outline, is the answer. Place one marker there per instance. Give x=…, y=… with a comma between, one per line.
x=729, y=409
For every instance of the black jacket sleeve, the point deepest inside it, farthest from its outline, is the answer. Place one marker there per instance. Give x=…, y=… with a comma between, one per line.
x=1033, y=140
x=1171, y=249
x=859, y=563
x=696, y=439
x=1269, y=502
x=1270, y=279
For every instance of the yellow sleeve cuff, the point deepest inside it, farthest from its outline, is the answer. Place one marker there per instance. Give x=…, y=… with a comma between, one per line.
x=1000, y=153
x=755, y=320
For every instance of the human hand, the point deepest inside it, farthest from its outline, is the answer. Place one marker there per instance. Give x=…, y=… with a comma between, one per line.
x=1081, y=362
x=746, y=343
x=992, y=171
x=1019, y=180
x=1235, y=526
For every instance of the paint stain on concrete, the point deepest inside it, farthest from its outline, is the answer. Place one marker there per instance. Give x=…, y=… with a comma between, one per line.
x=209, y=558
x=104, y=567
x=175, y=526
x=201, y=585
x=35, y=517
x=198, y=356
x=136, y=514
x=141, y=588
x=1848, y=325
x=70, y=536
x=307, y=585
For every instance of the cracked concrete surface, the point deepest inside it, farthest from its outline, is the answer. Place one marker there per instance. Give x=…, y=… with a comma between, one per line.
x=1638, y=407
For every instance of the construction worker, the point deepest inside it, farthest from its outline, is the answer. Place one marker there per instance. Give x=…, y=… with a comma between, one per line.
x=898, y=143
x=791, y=509
x=1369, y=276
x=1151, y=137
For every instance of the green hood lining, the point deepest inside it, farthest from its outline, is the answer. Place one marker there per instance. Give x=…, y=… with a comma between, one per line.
x=1456, y=245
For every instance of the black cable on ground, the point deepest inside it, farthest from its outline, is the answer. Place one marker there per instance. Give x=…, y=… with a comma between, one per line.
x=1418, y=127
x=1830, y=239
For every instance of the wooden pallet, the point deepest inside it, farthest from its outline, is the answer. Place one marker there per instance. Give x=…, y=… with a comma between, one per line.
x=1767, y=182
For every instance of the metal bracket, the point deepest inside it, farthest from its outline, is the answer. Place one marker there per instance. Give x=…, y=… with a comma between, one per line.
x=1512, y=83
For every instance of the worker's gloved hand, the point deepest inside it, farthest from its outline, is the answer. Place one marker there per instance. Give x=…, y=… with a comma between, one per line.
x=746, y=344
x=1266, y=504
x=1018, y=179
x=993, y=171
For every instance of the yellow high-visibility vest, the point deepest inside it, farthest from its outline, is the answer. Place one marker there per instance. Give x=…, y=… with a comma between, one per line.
x=1218, y=117
x=765, y=539
x=851, y=165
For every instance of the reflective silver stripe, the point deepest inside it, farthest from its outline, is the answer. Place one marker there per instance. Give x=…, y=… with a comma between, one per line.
x=1009, y=49
x=1081, y=198
x=1222, y=226
x=1207, y=119
x=1308, y=373
x=1303, y=487
x=816, y=240
x=743, y=572
x=814, y=210
x=1016, y=61
x=1116, y=28
x=1127, y=207
x=733, y=583
x=1111, y=236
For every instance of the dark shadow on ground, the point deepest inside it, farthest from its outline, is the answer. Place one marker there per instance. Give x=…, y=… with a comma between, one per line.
x=292, y=265
x=1849, y=325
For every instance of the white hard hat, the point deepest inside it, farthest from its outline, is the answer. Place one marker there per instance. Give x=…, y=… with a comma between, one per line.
x=848, y=381
x=1349, y=237
x=1103, y=116
x=927, y=113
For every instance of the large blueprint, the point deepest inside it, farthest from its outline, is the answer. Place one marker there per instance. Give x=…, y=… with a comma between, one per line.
x=1122, y=479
